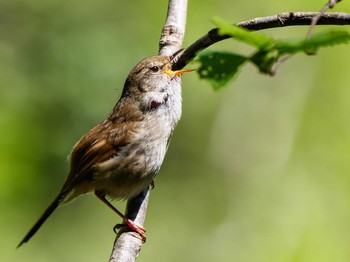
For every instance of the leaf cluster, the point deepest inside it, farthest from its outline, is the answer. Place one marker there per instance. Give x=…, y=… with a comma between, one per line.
x=218, y=68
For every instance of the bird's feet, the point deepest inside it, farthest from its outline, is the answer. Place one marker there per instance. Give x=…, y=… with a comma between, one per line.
x=133, y=227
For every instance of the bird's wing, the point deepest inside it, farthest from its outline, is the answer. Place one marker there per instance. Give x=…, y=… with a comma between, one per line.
x=96, y=147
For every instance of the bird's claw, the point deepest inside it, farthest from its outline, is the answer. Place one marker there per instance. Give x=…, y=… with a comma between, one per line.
x=133, y=227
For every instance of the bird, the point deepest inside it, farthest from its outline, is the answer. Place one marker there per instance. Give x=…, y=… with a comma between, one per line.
x=119, y=158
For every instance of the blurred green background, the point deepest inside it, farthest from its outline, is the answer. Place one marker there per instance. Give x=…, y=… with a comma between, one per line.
x=258, y=171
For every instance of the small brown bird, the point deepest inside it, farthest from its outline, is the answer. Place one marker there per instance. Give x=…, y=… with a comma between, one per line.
x=121, y=156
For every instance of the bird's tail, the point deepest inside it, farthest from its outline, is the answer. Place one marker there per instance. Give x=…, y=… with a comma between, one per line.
x=42, y=219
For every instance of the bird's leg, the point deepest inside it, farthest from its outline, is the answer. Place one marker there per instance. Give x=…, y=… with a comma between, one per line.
x=128, y=222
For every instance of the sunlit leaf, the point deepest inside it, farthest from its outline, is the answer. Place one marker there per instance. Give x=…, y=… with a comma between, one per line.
x=322, y=39
x=251, y=38
x=269, y=50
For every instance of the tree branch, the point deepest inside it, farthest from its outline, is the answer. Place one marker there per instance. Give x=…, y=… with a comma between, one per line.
x=127, y=244
x=279, y=20
x=174, y=28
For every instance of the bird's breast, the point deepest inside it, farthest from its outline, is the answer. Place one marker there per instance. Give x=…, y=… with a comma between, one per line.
x=132, y=169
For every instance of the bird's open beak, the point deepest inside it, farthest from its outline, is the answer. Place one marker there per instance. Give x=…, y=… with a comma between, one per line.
x=170, y=72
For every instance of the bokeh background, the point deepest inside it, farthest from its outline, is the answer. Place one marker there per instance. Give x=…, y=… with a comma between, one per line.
x=258, y=171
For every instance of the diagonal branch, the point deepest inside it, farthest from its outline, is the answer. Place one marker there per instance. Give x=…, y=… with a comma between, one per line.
x=127, y=245
x=279, y=20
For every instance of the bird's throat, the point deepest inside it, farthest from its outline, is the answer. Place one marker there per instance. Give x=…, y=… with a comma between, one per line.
x=155, y=104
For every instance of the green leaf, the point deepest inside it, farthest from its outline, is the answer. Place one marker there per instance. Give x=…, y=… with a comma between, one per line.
x=265, y=60
x=251, y=38
x=322, y=39
x=219, y=67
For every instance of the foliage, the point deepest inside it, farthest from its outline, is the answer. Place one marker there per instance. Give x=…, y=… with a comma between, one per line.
x=220, y=67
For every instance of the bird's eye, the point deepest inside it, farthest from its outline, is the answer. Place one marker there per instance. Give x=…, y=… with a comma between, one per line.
x=154, y=69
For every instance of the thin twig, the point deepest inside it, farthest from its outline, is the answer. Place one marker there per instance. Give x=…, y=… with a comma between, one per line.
x=316, y=18
x=314, y=21
x=279, y=20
